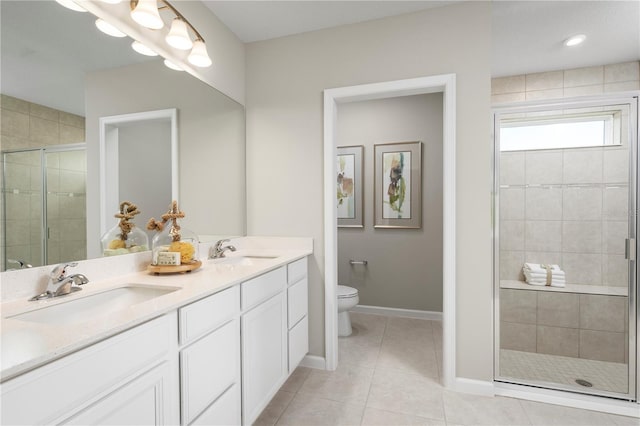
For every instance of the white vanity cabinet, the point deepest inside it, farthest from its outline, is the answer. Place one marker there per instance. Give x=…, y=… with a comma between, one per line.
x=264, y=341
x=297, y=309
x=131, y=378
x=210, y=360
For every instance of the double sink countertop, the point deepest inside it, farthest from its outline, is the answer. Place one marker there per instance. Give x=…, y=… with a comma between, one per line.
x=27, y=344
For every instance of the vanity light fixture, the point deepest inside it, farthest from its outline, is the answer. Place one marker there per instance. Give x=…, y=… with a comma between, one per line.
x=70, y=4
x=178, y=36
x=142, y=49
x=171, y=65
x=147, y=14
x=109, y=29
x=575, y=40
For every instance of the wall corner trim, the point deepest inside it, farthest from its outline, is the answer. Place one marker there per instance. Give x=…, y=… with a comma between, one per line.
x=473, y=386
x=313, y=361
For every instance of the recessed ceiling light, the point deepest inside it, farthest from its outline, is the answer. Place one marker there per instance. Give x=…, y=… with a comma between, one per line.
x=575, y=40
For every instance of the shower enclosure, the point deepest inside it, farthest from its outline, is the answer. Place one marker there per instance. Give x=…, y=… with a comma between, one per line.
x=566, y=204
x=43, y=206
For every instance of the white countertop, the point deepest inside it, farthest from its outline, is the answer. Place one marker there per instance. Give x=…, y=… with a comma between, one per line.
x=27, y=345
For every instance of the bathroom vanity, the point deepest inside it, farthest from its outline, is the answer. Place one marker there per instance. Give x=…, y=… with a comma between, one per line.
x=212, y=348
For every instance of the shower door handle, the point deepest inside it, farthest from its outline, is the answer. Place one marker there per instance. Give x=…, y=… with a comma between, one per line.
x=630, y=249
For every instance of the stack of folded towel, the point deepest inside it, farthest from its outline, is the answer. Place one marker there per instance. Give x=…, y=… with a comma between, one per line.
x=540, y=274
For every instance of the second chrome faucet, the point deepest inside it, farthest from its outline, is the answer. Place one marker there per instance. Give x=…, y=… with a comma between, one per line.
x=217, y=251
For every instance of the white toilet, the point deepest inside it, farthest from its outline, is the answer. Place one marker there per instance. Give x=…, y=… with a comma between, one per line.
x=347, y=299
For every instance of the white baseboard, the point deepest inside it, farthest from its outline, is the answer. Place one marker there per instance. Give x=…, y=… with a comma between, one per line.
x=397, y=312
x=313, y=361
x=568, y=399
x=475, y=387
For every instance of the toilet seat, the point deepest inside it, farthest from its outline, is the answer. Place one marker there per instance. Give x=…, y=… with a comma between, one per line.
x=345, y=292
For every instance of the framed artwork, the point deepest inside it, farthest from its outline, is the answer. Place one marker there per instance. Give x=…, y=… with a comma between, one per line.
x=349, y=186
x=398, y=185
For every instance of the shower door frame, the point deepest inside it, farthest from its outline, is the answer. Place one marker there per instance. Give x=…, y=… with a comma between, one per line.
x=43, y=150
x=631, y=99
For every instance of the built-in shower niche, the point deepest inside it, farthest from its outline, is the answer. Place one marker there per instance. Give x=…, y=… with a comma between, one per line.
x=563, y=192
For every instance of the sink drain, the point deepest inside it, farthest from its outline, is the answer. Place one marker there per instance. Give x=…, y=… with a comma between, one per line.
x=584, y=383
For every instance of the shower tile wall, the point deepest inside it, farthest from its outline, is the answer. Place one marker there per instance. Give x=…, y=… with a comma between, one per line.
x=565, y=207
x=27, y=125
x=589, y=326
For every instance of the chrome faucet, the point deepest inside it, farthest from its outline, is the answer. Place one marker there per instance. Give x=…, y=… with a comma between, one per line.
x=217, y=251
x=60, y=283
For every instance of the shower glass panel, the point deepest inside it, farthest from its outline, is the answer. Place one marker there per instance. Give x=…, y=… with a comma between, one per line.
x=565, y=224
x=44, y=206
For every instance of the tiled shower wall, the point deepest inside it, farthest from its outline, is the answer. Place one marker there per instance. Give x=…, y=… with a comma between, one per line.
x=27, y=125
x=589, y=326
x=565, y=206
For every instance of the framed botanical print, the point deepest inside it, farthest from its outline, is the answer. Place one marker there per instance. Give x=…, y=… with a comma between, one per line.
x=349, y=186
x=398, y=185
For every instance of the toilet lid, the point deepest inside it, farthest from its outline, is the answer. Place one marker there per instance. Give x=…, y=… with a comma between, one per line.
x=344, y=291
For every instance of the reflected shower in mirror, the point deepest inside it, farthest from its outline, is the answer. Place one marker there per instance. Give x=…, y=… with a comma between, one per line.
x=60, y=75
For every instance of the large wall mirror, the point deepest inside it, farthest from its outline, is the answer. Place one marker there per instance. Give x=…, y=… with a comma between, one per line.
x=59, y=77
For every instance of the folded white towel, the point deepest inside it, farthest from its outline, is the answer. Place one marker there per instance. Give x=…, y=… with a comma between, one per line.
x=540, y=274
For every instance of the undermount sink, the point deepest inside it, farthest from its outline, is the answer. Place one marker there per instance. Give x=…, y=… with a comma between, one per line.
x=85, y=308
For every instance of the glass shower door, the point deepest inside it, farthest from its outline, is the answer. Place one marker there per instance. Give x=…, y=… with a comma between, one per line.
x=565, y=222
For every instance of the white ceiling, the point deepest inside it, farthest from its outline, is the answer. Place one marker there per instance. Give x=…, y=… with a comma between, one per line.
x=527, y=36
x=44, y=61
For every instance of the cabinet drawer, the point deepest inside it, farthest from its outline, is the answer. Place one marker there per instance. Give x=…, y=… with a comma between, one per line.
x=263, y=287
x=225, y=411
x=62, y=387
x=298, y=343
x=208, y=367
x=297, y=301
x=208, y=313
x=296, y=270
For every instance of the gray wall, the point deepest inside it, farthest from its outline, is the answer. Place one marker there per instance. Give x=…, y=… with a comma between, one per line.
x=210, y=137
x=405, y=265
x=285, y=81
x=151, y=192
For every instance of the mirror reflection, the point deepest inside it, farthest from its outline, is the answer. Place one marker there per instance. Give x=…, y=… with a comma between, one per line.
x=60, y=76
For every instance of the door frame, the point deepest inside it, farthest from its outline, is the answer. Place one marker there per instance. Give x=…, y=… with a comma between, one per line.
x=445, y=84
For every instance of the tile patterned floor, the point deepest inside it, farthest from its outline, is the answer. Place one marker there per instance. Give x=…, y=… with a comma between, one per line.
x=389, y=374
x=607, y=376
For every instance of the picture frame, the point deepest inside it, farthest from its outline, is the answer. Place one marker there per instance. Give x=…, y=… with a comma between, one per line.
x=398, y=185
x=349, y=164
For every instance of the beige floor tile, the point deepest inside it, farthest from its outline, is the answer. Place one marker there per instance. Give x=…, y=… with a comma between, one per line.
x=548, y=414
x=624, y=420
x=375, y=417
x=408, y=329
x=347, y=384
x=407, y=394
x=465, y=409
x=309, y=410
x=296, y=380
x=274, y=410
x=411, y=356
x=367, y=329
x=354, y=353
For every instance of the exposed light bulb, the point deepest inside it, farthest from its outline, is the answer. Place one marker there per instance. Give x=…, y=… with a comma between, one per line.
x=575, y=40
x=171, y=65
x=109, y=29
x=199, y=56
x=70, y=4
x=146, y=14
x=178, y=36
x=142, y=49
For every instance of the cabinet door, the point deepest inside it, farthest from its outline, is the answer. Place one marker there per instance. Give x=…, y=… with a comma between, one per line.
x=140, y=402
x=298, y=343
x=209, y=367
x=264, y=355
